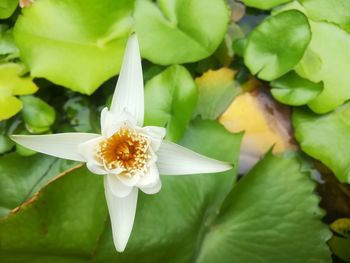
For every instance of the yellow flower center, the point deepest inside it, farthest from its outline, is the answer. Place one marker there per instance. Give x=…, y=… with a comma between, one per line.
x=125, y=149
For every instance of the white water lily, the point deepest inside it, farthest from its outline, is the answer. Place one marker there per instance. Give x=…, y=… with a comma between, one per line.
x=130, y=156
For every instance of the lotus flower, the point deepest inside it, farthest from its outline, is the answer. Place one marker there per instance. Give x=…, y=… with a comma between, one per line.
x=128, y=155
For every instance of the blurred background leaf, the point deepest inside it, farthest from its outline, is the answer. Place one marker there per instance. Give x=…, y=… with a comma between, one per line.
x=7, y=7
x=12, y=84
x=67, y=41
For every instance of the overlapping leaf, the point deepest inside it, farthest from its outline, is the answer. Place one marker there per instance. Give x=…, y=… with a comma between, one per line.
x=170, y=98
x=180, y=31
x=264, y=4
x=271, y=50
x=294, y=90
x=326, y=138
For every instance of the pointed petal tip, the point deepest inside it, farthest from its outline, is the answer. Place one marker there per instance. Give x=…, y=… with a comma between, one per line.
x=122, y=215
x=174, y=159
x=226, y=167
x=120, y=247
x=61, y=145
x=129, y=94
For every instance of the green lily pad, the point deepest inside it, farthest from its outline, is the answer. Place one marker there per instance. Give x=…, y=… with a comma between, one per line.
x=7, y=7
x=170, y=99
x=22, y=177
x=70, y=44
x=271, y=215
x=180, y=31
x=291, y=89
x=271, y=50
x=326, y=138
x=58, y=227
x=264, y=4
x=334, y=11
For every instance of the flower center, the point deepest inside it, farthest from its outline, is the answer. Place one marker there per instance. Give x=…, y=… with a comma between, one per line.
x=125, y=149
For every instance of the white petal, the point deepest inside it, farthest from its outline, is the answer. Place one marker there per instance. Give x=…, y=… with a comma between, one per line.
x=88, y=150
x=174, y=159
x=128, y=94
x=129, y=181
x=122, y=213
x=117, y=187
x=96, y=169
x=62, y=145
x=105, y=119
x=111, y=123
x=152, y=189
x=156, y=134
x=115, y=171
x=150, y=178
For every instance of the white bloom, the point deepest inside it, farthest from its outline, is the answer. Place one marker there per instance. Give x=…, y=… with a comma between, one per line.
x=129, y=155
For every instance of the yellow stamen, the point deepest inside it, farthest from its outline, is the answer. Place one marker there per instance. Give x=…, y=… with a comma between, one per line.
x=125, y=149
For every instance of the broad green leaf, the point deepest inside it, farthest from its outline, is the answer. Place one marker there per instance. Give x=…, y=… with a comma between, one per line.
x=22, y=177
x=60, y=224
x=170, y=99
x=265, y=4
x=37, y=114
x=217, y=89
x=331, y=46
x=180, y=31
x=7, y=7
x=78, y=44
x=271, y=215
x=334, y=11
x=271, y=50
x=12, y=84
x=326, y=138
x=168, y=225
x=294, y=90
